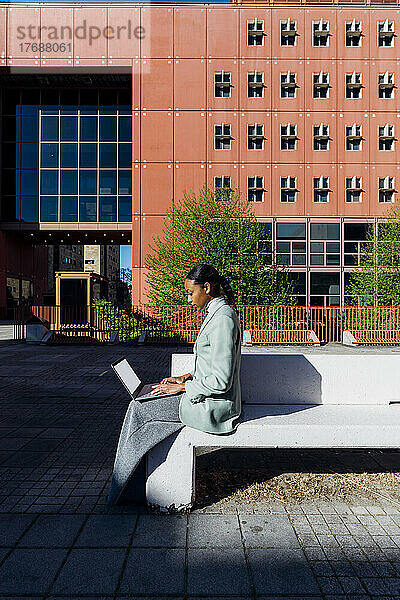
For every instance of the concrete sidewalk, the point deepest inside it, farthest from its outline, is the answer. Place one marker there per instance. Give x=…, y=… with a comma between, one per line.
x=61, y=412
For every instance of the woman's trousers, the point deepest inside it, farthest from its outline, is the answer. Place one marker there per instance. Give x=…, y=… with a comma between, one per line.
x=145, y=425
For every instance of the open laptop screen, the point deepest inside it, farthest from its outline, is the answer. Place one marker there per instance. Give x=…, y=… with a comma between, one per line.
x=127, y=375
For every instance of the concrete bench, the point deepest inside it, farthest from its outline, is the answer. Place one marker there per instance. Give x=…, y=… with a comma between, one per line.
x=289, y=401
x=357, y=337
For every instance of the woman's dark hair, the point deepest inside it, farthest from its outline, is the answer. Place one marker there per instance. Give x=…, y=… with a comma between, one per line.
x=200, y=274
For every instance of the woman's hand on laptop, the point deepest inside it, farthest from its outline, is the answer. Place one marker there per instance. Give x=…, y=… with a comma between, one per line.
x=168, y=388
x=180, y=379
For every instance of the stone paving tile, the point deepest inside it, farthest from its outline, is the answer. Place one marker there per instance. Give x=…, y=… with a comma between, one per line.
x=160, y=530
x=272, y=531
x=281, y=571
x=217, y=572
x=214, y=532
x=94, y=571
x=30, y=571
x=107, y=531
x=12, y=527
x=52, y=531
x=153, y=571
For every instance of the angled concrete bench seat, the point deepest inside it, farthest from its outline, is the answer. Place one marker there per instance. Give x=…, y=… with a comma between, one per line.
x=289, y=401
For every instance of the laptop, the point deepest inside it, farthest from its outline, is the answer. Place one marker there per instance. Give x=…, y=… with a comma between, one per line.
x=132, y=383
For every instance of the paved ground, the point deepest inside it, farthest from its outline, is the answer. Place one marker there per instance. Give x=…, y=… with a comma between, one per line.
x=61, y=411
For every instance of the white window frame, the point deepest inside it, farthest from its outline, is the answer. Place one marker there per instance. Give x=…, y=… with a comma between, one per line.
x=255, y=189
x=222, y=84
x=288, y=183
x=223, y=137
x=255, y=137
x=386, y=33
x=254, y=33
x=353, y=184
x=353, y=32
x=386, y=185
x=353, y=133
x=320, y=185
x=289, y=32
x=386, y=133
x=255, y=84
x=321, y=136
x=320, y=33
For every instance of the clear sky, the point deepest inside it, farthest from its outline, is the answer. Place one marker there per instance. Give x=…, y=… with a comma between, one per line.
x=126, y=256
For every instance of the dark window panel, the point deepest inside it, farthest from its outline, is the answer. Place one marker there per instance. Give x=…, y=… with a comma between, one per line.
x=88, y=129
x=108, y=208
x=125, y=182
x=29, y=209
x=124, y=155
x=88, y=155
x=87, y=182
x=325, y=231
x=69, y=182
x=108, y=155
x=50, y=102
x=69, y=129
x=355, y=231
x=108, y=129
x=290, y=231
x=48, y=182
x=30, y=156
x=9, y=133
x=332, y=247
x=298, y=259
x=29, y=182
x=125, y=102
x=69, y=156
x=49, y=155
x=68, y=209
x=321, y=282
x=87, y=209
x=317, y=259
x=9, y=211
x=68, y=102
x=89, y=102
x=48, y=209
x=11, y=98
x=125, y=208
x=125, y=129
x=49, y=129
x=299, y=281
x=317, y=247
x=8, y=155
x=108, y=101
x=108, y=182
x=30, y=129
x=8, y=182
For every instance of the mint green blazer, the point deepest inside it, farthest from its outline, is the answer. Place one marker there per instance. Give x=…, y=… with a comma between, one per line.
x=211, y=401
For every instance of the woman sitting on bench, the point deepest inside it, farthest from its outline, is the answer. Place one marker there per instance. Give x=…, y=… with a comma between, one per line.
x=207, y=399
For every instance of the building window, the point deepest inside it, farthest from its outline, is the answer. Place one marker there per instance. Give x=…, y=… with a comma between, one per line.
x=386, y=137
x=321, y=85
x=255, y=137
x=255, y=84
x=222, y=82
x=321, y=137
x=288, y=136
x=324, y=244
x=255, y=189
x=291, y=244
x=255, y=33
x=222, y=186
x=288, y=189
x=353, y=189
x=386, y=189
x=354, y=85
x=222, y=137
x=353, y=33
x=288, y=32
x=385, y=33
x=386, y=85
x=324, y=289
x=355, y=235
x=320, y=31
x=288, y=85
x=353, y=137
x=321, y=189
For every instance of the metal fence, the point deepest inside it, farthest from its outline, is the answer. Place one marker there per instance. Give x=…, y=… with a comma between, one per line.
x=181, y=324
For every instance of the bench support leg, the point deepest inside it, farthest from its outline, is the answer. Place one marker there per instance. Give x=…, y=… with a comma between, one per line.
x=170, y=481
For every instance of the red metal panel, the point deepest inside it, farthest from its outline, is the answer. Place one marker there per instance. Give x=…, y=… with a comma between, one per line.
x=348, y=119
x=189, y=32
x=157, y=86
x=378, y=120
x=286, y=52
x=190, y=178
x=216, y=118
x=287, y=209
x=357, y=209
x=249, y=14
x=190, y=136
x=223, y=170
x=353, y=52
x=90, y=62
x=222, y=32
x=190, y=84
x=136, y=139
x=254, y=156
x=57, y=62
x=352, y=104
x=382, y=66
x=157, y=24
x=156, y=136
x=156, y=186
x=136, y=244
x=260, y=209
x=3, y=34
x=320, y=104
x=23, y=30
x=124, y=32
x=248, y=66
x=335, y=138
x=57, y=33
x=288, y=156
x=137, y=73
x=216, y=66
x=136, y=188
x=320, y=209
x=151, y=226
x=320, y=52
x=283, y=66
x=377, y=208
x=383, y=52
x=90, y=25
